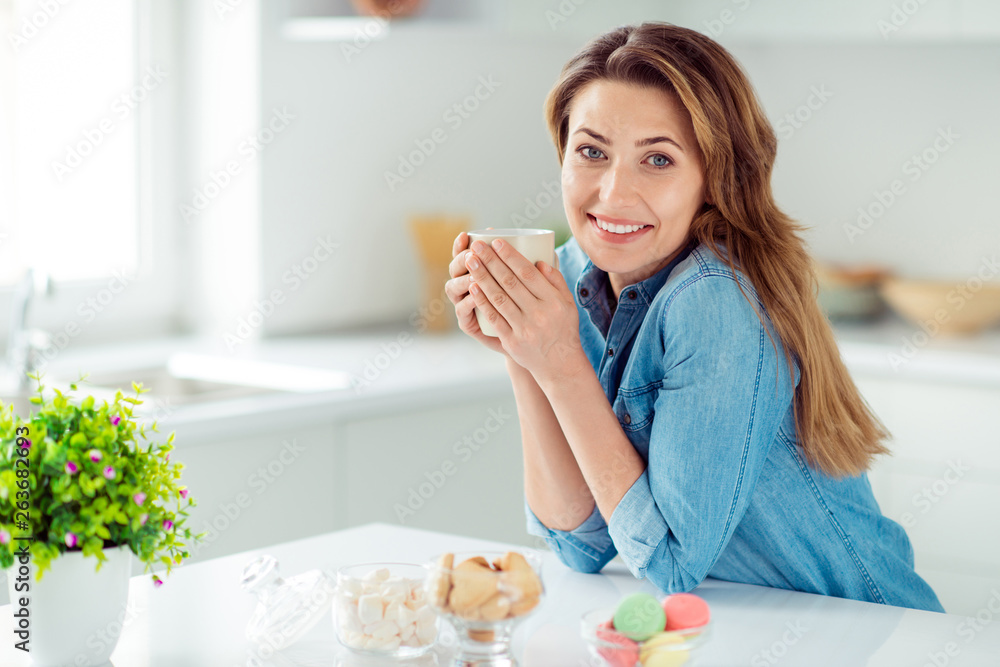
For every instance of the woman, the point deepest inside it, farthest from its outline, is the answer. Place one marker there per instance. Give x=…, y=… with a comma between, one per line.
x=681, y=396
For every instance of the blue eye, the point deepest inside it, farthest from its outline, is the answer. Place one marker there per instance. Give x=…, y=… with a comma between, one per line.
x=591, y=153
x=659, y=160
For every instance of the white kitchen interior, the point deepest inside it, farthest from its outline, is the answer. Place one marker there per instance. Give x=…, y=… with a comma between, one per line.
x=251, y=211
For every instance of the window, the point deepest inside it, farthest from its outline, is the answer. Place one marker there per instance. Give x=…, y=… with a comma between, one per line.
x=79, y=83
x=73, y=193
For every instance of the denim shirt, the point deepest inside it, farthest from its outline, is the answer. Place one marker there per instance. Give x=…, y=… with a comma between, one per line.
x=706, y=400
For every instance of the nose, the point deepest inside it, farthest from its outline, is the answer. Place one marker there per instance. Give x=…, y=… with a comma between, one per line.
x=618, y=187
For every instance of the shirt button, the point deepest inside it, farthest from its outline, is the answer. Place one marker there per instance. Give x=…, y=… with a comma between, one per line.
x=584, y=291
x=628, y=418
x=632, y=294
x=611, y=352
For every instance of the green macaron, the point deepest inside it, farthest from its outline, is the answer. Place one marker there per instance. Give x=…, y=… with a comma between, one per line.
x=639, y=616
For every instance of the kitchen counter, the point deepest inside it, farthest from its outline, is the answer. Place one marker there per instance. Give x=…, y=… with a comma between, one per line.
x=198, y=617
x=891, y=347
x=391, y=365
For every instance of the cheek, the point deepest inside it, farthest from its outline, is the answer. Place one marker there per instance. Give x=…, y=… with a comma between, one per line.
x=571, y=191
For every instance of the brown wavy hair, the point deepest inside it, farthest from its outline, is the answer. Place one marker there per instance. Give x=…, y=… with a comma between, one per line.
x=835, y=427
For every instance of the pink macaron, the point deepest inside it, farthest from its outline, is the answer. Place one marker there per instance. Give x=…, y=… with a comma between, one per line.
x=684, y=611
x=623, y=653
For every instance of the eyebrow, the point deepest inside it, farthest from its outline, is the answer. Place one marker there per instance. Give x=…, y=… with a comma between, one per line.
x=639, y=144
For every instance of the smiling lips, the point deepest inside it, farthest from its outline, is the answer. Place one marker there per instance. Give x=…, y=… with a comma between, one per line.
x=618, y=233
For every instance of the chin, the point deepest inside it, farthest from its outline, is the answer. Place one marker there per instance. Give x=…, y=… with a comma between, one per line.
x=609, y=263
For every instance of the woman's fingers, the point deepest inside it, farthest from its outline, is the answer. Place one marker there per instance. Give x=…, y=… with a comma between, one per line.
x=467, y=322
x=518, y=265
x=555, y=278
x=460, y=244
x=459, y=250
x=492, y=314
x=503, y=288
x=457, y=266
x=456, y=288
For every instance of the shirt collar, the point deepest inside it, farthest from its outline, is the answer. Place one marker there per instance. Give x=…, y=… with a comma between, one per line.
x=591, y=287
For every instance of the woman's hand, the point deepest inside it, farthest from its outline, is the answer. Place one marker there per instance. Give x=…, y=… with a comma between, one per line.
x=457, y=290
x=531, y=308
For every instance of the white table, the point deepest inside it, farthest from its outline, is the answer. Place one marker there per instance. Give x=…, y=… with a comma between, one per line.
x=198, y=617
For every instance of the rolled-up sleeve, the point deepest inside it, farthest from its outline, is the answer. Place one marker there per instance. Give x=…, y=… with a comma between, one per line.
x=724, y=393
x=586, y=548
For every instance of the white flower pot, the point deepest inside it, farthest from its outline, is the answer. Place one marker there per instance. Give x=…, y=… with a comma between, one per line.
x=75, y=614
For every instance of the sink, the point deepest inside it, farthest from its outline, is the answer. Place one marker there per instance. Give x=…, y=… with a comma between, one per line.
x=162, y=383
x=187, y=378
x=195, y=378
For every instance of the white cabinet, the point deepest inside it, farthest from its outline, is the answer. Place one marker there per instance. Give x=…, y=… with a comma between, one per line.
x=262, y=488
x=942, y=482
x=455, y=467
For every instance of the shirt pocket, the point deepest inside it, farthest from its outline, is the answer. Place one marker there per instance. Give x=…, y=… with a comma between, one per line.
x=634, y=410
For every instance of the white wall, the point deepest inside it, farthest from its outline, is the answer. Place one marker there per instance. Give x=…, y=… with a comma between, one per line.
x=324, y=176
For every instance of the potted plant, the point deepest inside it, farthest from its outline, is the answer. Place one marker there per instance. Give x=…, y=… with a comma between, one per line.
x=82, y=489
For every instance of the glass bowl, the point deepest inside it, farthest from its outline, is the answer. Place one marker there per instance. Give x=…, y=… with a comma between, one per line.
x=380, y=609
x=665, y=649
x=485, y=595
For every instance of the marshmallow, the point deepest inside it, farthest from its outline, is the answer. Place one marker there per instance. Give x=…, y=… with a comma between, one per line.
x=382, y=612
x=369, y=608
x=405, y=616
x=376, y=576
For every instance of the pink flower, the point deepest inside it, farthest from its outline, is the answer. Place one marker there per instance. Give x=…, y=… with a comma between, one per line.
x=143, y=519
x=157, y=582
x=139, y=498
x=71, y=540
x=95, y=455
x=167, y=524
x=71, y=467
x=109, y=472
x=27, y=444
x=184, y=493
x=4, y=537
x=115, y=420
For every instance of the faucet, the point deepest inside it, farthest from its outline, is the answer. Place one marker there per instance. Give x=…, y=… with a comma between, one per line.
x=23, y=345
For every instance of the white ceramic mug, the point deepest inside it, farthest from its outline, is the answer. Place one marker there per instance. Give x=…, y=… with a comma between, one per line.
x=537, y=245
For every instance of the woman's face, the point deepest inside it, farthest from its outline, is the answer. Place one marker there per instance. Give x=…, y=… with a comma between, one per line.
x=632, y=164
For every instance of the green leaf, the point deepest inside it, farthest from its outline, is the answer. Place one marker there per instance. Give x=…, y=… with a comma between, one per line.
x=103, y=532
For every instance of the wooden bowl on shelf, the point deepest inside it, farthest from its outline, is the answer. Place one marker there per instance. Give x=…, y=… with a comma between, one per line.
x=955, y=308
x=387, y=8
x=850, y=292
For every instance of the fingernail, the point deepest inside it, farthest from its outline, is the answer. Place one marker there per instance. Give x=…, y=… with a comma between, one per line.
x=478, y=246
x=497, y=244
x=473, y=288
x=472, y=262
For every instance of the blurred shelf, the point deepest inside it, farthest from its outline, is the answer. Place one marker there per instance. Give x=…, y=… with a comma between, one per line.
x=882, y=22
x=891, y=347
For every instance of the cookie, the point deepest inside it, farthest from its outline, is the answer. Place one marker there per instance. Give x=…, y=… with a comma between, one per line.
x=496, y=608
x=473, y=582
x=639, y=616
x=481, y=635
x=441, y=581
x=519, y=578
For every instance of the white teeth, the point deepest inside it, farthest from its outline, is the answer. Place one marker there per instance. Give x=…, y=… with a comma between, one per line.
x=618, y=229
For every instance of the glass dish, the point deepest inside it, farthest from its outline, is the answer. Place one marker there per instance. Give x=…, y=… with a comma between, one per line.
x=673, y=648
x=287, y=608
x=380, y=610
x=485, y=595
